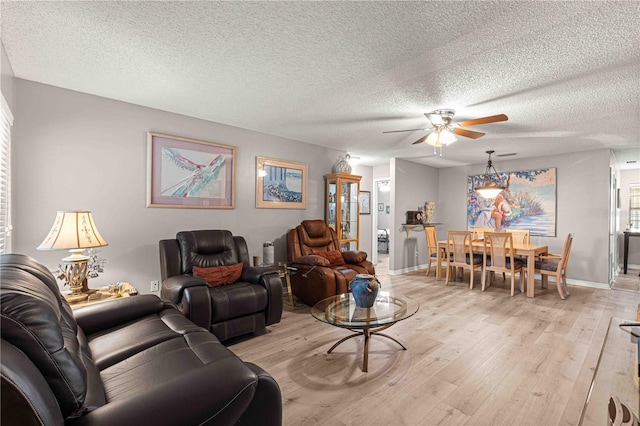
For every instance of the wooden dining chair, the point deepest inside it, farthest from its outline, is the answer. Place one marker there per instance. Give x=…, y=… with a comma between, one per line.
x=520, y=236
x=432, y=247
x=556, y=265
x=478, y=233
x=461, y=254
x=498, y=257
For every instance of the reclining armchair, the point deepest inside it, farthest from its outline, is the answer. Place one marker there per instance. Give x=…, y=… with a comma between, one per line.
x=323, y=270
x=207, y=276
x=133, y=360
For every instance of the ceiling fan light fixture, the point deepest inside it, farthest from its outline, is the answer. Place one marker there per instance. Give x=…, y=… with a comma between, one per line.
x=446, y=137
x=440, y=138
x=491, y=186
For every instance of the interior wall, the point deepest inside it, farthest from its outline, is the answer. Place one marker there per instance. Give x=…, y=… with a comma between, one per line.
x=582, y=206
x=7, y=80
x=366, y=184
x=381, y=171
x=7, y=88
x=412, y=185
x=627, y=177
x=384, y=215
x=76, y=151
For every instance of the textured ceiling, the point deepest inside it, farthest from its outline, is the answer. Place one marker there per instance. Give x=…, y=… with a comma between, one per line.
x=338, y=74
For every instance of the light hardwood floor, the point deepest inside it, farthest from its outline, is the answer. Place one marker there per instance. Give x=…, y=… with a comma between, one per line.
x=473, y=358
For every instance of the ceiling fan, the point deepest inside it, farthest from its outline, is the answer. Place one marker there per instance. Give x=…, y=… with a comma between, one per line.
x=443, y=127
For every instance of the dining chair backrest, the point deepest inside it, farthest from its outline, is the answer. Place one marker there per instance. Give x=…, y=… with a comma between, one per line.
x=566, y=254
x=556, y=265
x=459, y=245
x=499, y=257
x=520, y=236
x=478, y=233
x=432, y=239
x=499, y=246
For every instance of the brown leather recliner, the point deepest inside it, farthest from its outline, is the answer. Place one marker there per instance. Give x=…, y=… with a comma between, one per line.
x=323, y=270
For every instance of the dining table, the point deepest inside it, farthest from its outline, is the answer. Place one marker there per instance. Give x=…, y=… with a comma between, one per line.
x=527, y=250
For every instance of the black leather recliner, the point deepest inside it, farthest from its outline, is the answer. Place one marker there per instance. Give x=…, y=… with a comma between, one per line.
x=134, y=360
x=245, y=306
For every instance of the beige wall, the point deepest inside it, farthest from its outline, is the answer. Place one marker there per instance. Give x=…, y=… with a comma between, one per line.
x=7, y=80
x=582, y=204
x=77, y=151
x=411, y=185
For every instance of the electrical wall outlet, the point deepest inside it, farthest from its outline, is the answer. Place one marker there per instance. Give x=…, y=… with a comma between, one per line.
x=155, y=285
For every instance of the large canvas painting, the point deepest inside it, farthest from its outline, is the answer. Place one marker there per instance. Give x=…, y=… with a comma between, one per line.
x=189, y=173
x=528, y=202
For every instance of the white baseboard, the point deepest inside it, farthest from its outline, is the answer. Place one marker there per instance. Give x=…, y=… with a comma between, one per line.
x=582, y=283
x=409, y=269
x=591, y=284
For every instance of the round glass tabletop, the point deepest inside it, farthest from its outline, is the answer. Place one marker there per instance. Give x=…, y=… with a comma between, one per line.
x=341, y=311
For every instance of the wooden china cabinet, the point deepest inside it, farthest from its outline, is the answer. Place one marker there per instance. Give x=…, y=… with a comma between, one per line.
x=342, y=211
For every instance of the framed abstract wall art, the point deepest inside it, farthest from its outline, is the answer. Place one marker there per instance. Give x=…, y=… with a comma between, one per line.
x=280, y=184
x=189, y=173
x=365, y=202
x=528, y=202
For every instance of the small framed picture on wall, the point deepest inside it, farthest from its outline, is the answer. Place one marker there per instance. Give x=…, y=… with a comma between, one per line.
x=388, y=209
x=365, y=202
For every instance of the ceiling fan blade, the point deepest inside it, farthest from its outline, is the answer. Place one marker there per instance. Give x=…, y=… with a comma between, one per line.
x=435, y=119
x=422, y=139
x=468, y=133
x=406, y=130
x=484, y=120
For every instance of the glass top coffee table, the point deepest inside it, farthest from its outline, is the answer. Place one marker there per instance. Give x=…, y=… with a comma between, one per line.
x=341, y=311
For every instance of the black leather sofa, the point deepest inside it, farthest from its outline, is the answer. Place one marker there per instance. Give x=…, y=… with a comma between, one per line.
x=130, y=361
x=247, y=305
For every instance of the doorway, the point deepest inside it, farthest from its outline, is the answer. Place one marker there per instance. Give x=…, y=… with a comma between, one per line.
x=381, y=222
x=613, y=225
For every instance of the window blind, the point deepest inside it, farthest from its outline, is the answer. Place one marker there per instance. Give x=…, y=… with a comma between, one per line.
x=634, y=206
x=6, y=121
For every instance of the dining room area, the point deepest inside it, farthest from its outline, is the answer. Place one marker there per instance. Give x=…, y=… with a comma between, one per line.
x=509, y=252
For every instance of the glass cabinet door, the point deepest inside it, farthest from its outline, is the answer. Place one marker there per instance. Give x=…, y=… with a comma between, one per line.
x=342, y=208
x=331, y=205
x=349, y=212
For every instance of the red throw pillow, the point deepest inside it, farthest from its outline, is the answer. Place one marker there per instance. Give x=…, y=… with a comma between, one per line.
x=334, y=257
x=219, y=275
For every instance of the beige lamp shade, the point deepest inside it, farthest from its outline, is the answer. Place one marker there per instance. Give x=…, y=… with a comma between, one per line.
x=72, y=230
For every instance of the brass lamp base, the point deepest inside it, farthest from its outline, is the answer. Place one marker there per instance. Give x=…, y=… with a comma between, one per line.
x=85, y=288
x=76, y=297
x=75, y=270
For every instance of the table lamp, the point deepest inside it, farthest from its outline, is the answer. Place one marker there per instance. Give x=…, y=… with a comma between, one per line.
x=73, y=231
